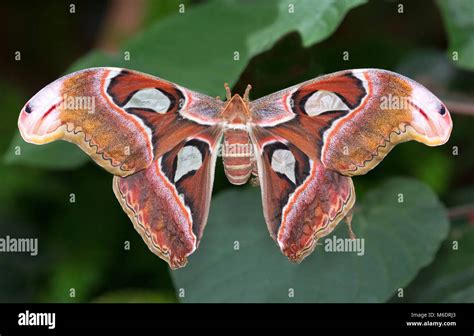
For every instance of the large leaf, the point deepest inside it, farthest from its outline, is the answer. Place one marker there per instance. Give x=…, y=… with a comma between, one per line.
x=450, y=278
x=56, y=155
x=136, y=296
x=458, y=16
x=197, y=49
x=314, y=20
x=399, y=239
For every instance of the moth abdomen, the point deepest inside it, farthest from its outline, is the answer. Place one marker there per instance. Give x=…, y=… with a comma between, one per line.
x=237, y=156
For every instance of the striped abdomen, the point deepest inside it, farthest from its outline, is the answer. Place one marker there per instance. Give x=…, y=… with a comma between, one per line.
x=237, y=155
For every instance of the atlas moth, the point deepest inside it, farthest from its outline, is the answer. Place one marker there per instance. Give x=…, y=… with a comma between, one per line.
x=303, y=144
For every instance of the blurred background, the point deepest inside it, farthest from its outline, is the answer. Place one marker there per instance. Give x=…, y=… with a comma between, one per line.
x=81, y=244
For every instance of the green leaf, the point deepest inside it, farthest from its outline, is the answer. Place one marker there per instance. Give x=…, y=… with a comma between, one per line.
x=72, y=281
x=459, y=21
x=450, y=277
x=314, y=20
x=136, y=296
x=204, y=47
x=462, y=296
x=56, y=155
x=399, y=239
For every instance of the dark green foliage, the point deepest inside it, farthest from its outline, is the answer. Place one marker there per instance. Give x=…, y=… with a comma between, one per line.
x=83, y=244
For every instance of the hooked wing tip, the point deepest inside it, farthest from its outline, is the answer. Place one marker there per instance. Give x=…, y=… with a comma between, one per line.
x=39, y=120
x=435, y=128
x=432, y=121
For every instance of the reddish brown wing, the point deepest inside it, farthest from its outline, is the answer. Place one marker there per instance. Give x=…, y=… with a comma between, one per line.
x=123, y=119
x=344, y=124
x=302, y=200
x=158, y=138
x=351, y=119
x=168, y=202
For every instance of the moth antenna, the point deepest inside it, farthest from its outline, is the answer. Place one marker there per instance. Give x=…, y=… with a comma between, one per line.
x=228, y=94
x=246, y=93
x=349, y=224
